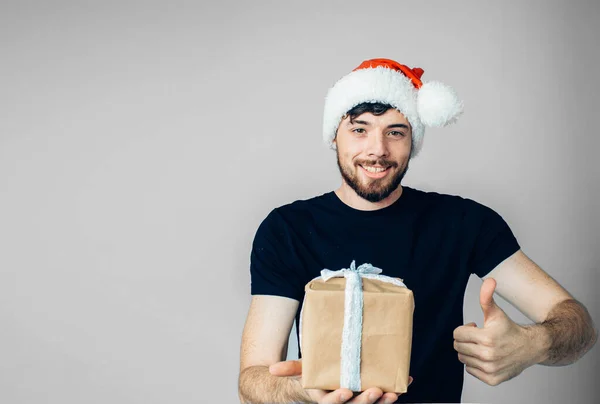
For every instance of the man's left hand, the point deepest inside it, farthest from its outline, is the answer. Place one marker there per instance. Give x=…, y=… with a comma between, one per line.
x=498, y=351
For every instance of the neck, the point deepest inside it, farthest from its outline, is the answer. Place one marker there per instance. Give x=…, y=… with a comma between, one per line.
x=352, y=199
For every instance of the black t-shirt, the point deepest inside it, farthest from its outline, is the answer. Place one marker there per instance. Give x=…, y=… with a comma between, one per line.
x=432, y=241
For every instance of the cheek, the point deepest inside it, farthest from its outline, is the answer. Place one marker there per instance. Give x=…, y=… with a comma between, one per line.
x=350, y=144
x=352, y=158
x=404, y=151
x=349, y=156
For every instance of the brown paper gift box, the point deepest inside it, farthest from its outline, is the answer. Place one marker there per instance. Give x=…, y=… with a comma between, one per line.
x=386, y=335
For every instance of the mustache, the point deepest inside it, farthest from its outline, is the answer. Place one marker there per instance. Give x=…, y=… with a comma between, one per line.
x=382, y=163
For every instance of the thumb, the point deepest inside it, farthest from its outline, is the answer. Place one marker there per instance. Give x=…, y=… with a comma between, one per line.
x=486, y=300
x=286, y=368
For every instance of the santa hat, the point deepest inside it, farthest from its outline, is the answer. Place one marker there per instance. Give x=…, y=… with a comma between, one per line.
x=385, y=81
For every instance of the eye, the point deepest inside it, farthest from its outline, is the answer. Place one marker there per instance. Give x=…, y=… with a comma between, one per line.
x=358, y=130
x=395, y=133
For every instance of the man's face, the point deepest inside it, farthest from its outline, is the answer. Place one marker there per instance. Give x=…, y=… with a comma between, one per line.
x=373, y=153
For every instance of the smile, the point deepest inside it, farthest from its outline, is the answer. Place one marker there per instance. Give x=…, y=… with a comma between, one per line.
x=375, y=172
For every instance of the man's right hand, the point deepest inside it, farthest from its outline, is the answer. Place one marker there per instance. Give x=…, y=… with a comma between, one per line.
x=293, y=369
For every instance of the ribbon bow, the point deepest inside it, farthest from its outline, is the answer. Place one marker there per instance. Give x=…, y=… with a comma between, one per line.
x=363, y=269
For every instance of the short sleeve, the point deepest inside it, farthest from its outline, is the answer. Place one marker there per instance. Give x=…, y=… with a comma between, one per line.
x=494, y=240
x=271, y=269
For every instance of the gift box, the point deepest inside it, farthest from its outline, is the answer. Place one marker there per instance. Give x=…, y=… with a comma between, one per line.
x=356, y=331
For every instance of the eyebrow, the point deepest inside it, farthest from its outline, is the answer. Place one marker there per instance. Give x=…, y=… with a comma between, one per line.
x=394, y=125
x=398, y=125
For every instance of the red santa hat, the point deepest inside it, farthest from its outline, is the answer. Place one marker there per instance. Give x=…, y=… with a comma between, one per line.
x=385, y=81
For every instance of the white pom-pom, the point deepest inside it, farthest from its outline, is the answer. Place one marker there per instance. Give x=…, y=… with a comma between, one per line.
x=438, y=104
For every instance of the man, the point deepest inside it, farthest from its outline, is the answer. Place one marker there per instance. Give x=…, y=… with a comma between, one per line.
x=375, y=118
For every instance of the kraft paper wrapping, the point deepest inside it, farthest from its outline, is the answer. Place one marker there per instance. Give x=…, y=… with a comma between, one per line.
x=386, y=335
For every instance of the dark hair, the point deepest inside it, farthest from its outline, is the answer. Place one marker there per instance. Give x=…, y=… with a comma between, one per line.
x=376, y=108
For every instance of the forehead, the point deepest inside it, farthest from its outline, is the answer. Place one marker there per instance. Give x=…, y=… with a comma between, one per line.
x=390, y=116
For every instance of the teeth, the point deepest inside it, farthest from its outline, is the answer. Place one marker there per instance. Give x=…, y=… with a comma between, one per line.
x=374, y=169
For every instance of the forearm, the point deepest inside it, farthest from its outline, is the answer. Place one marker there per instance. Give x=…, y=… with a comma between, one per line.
x=565, y=336
x=258, y=386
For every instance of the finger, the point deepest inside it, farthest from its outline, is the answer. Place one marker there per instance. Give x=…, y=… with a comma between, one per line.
x=476, y=373
x=387, y=398
x=338, y=396
x=468, y=348
x=490, y=309
x=368, y=396
x=492, y=380
x=286, y=368
x=473, y=362
x=486, y=296
x=466, y=333
x=471, y=324
x=316, y=394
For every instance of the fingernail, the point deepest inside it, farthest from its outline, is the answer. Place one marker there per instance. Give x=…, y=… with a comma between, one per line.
x=345, y=396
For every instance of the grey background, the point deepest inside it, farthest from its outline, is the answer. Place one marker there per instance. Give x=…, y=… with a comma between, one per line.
x=141, y=144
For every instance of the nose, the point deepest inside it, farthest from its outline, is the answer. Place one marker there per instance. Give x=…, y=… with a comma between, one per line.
x=377, y=144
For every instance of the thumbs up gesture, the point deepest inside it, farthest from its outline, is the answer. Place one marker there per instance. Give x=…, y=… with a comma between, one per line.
x=498, y=351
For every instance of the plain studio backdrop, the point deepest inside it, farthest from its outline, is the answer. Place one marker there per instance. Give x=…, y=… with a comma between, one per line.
x=143, y=143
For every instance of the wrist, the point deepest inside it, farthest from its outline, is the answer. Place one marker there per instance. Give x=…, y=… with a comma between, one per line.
x=539, y=342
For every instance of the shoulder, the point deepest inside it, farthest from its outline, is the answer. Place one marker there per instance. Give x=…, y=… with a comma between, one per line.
x=294, y=213
x=302, y=209
x=451, y=206
x=443, y=200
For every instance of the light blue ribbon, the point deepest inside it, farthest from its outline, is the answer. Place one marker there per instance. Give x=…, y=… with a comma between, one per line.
x=353, y=318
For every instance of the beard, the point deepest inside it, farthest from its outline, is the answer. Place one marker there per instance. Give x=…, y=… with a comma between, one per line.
x=377, y=189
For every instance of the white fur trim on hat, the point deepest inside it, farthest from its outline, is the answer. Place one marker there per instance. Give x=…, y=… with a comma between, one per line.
x=434, y=104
